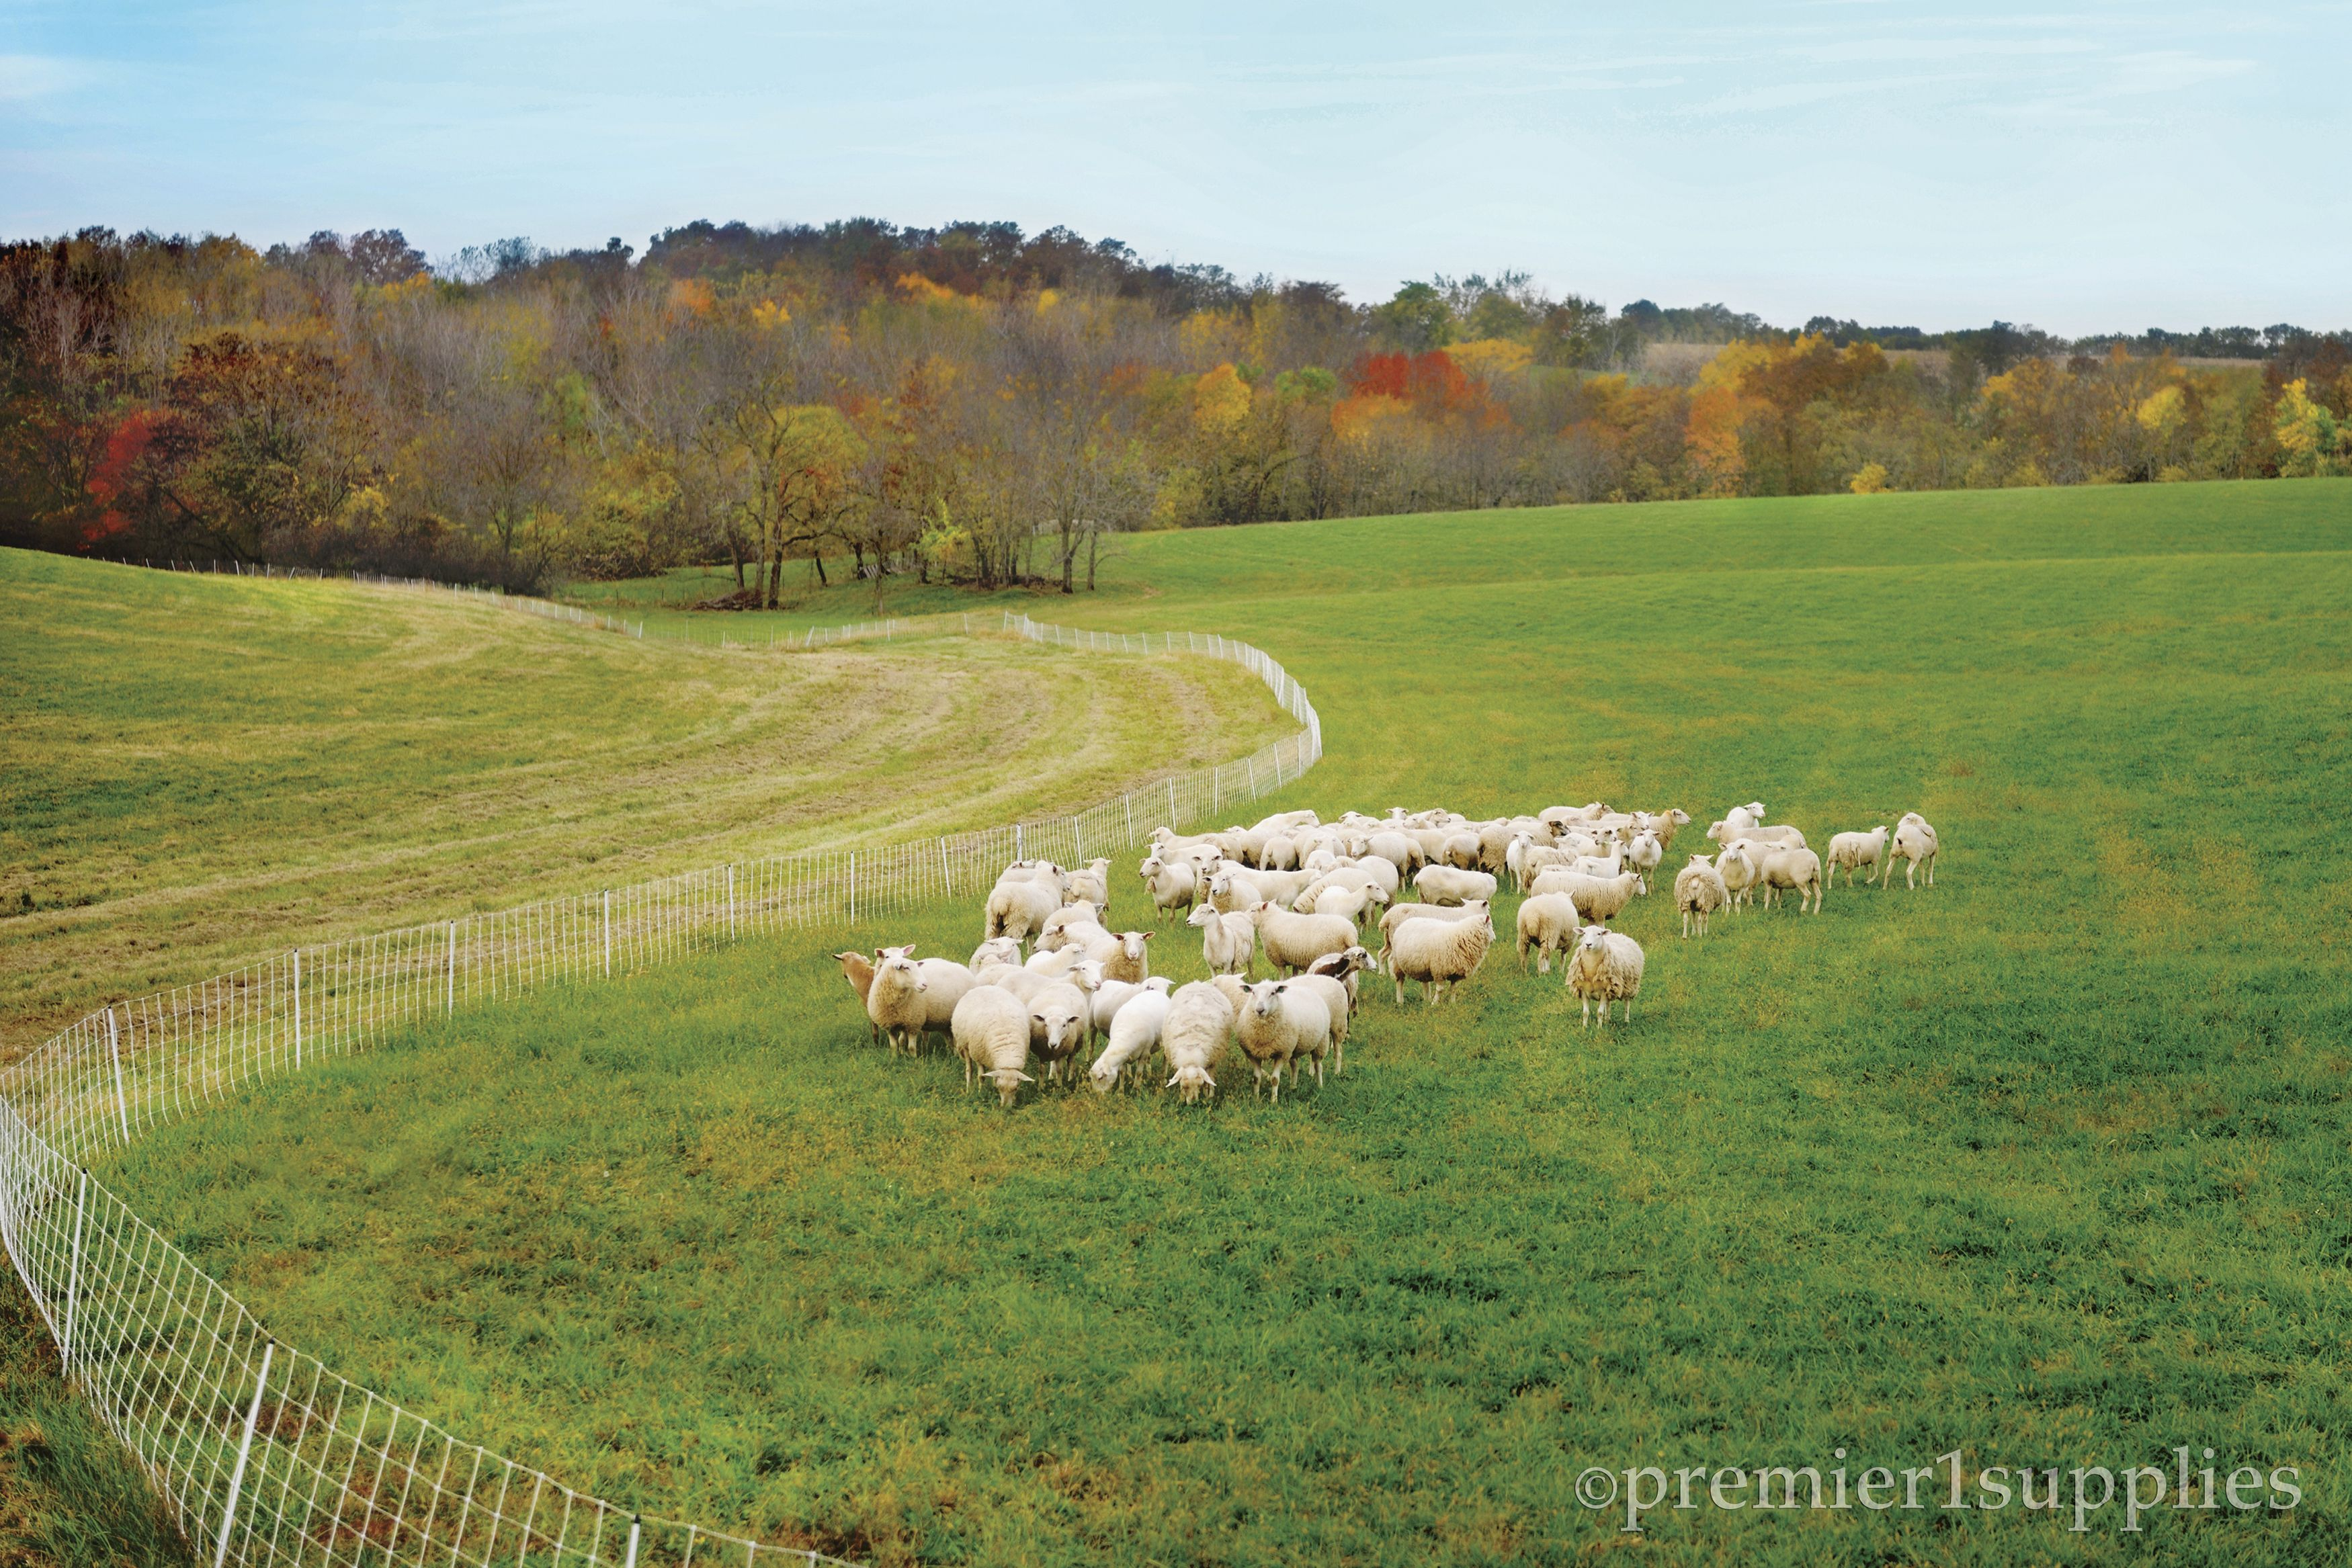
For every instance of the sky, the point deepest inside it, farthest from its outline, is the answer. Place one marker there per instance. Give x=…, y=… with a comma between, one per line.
x=2085, y=168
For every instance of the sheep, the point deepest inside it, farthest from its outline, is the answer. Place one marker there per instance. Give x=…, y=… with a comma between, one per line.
x=1055, y=933
x=1798, y=868
x=996, y=951
x=1642, y=857
x=858, y=971
x=1282, y=886
x=1113, y=995
x=1858, y=853
x=1665, y=824
x=1569, y=816
x=1230, y=890
x=1277, y=1025
x=1460, y=850
x=1019, y=909
x=1548, y=925
x=1044, y=873
x=1740, y=818
x=1699, y=893
x=911, y=997
x=1398, y=849
x=1056, y=962
x=1294, y=941
x=1602, y=865
x=1173, y=885
x=1093, y=883
x=1916, y=846
x=1448, y=884
x=1200, y=1017
x=990, y=1029
x=1060, y=1018
x=1022, y=982
x=1333, y=975
x=1438, y=952
x=1228, y=942
x=1372, y=872
x=1597, y=898
x=1606, y=967
x=1399, y=914
x=1351, y=904
x=1741, y=868
x=1122, y=955
x=1132, y=1031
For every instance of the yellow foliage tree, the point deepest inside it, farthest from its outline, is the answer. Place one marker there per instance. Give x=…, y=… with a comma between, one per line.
x=1221, y=400
x=1491, y=359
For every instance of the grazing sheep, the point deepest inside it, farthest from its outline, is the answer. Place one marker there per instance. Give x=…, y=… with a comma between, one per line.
x=1020, y=909
x=1597, y=898
x=1294, y=941
x=1173, y=885
x=1606, y=967
x=1133, y=1031
x=1642, y=857
x=910, y=996
x=1438, y=952
x=1113, y=995
x=1278, y=1025
x=1450, y=884
x=1200, y=1018
x=990, y=1029
x=996, y=951
x=1060, y=1018
x=1477, y=908
x=1548, y=924
x=1093, y=884
x=1228, y=942
x=1858, y=853
x=858, y=971
x=1798, y=868
x=1699, y=893
x=1914, y=846
x=1741, y=869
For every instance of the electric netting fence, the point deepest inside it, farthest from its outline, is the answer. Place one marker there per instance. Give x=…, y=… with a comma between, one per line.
x=263, y=1455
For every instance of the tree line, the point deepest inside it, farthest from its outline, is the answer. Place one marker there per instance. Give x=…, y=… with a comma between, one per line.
x=975, y=404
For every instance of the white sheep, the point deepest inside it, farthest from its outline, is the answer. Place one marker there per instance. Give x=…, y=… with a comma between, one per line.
x=1123, y=954
x=1351, y=904
x=1200, y=1018
x=1294, y=941
x=858, y=971
x=1277, y=1025
x=1606, y=967
x=1741, y=868
x=1228, y=942
x=1019, y=909
x=1460, y=849
x=1597, y=898
x=1060, y=1018
x=1787, y=868
x=1699, y=893
x=1055, y=932
x=910, y=996
x=990, y=1029
x=1093, y=883
x=1397, y=913
x=1230, y=890
x=1642, y=857
x=1451, y=884
x=1438, y=952
x=1859, y=853
x=1548, y=924
x=1665, y=824
x=1132, y=1030
x=1914, y=846
x=1173, y=885
x=996, y=951
x=1333, y=976
x=1113, y=995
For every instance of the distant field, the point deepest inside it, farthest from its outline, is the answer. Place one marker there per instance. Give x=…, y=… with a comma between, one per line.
x=195, y=769
x=2047, y=1163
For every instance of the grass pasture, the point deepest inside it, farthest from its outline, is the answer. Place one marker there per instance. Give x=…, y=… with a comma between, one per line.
x=2048, y=1163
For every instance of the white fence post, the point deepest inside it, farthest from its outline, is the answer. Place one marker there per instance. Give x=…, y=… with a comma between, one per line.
x=636, y=1523
x=947, y=877
x=1017, y=853
x=730, y=899
x=608, y=933
x=73, y=1276
x=452, y=996
x=114, y=1049
x=244, y=1451
x=298, y=1007
x=853, y=888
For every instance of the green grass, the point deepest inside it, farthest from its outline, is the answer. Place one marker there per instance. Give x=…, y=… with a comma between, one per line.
x=2047, y=1163
x=193, y=770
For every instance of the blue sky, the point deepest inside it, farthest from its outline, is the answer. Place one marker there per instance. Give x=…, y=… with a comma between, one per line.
x=2085, y=168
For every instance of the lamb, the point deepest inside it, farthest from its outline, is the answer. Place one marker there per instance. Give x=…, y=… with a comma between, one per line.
x=1199, y=1017
x=1606, y=967
x=1133, y=1031
x=1699, y=893
x=1019, y=909
x=1449, y=884
x=1229, y=941
x=1642, y=856
x=1548, y=925
x=1438, y=952
x=1093, y=884
x=1277, y=1025
x=858, y=971
x=1060, y=1018
x=1294, y=941
x=1916, y=846
x=990, y=1029
x=1858, y=853
x=996, y=951
x=1477, y=908
x=911, y=997
x=1597, y=898
x=1798, y=868
x=1741, y=868
x=1172, y=884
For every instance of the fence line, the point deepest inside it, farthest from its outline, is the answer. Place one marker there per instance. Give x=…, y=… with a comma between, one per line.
x=262, y=1453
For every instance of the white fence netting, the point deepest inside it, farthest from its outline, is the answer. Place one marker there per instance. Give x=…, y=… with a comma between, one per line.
x=263, y=1454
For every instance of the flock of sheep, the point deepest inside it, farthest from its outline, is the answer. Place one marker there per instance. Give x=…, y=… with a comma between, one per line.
x=1308, y=894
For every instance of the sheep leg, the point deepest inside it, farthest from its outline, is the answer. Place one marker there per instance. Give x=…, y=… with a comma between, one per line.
x=1931, y=870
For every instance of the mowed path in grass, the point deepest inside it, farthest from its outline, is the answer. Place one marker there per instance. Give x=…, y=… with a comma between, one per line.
x=196, y=769
x=2046, y=1163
